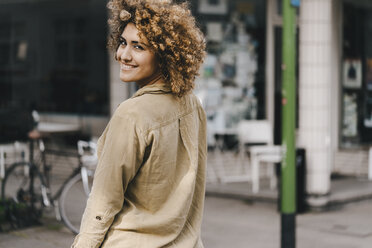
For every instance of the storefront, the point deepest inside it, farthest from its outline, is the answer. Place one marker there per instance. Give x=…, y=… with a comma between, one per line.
x=334, y=91
x=53, y=58
x=351, y=133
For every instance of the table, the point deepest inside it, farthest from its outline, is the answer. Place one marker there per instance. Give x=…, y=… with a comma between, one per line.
x=57, y=128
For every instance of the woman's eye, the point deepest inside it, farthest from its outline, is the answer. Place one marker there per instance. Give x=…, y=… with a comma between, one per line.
x=139, y=47
x=122, y=42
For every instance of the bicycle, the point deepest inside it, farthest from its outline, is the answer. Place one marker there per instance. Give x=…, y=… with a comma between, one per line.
x=28, y=184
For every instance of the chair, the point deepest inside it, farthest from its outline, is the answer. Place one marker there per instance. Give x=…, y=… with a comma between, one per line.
x=256, y=138
x=10, y=153
x=88, y=158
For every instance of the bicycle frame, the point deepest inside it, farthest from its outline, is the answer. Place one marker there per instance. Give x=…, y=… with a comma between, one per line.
x=76, y=171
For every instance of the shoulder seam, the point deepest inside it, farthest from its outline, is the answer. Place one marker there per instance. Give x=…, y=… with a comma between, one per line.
x=171, y=120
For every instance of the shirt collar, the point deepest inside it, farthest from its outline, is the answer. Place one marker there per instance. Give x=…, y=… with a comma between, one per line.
x=157, y=88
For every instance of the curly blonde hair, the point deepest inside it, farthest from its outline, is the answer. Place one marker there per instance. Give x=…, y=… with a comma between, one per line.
x=172, y=33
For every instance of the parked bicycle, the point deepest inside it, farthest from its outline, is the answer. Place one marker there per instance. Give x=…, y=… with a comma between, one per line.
x=28, y=183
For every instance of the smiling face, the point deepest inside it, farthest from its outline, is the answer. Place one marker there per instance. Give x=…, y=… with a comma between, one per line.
x=137, y=61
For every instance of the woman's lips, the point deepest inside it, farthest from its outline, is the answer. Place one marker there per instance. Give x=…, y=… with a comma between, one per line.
x=127, y=67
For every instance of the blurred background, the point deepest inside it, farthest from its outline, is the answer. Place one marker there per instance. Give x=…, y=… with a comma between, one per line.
x=53, y=59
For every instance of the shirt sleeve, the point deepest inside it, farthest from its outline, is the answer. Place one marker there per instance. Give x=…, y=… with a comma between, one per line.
x=120, y=157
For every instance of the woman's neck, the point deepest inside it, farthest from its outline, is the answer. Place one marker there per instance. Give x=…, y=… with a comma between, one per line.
x=157, y=77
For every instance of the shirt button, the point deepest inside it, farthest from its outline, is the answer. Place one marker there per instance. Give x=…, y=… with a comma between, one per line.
x=98, y=218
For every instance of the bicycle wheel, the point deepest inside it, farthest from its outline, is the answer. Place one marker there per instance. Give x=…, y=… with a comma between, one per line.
x=73, y=200
x=24, y=190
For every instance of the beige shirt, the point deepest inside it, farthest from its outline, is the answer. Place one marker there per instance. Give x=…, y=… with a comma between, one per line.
x=149, y=185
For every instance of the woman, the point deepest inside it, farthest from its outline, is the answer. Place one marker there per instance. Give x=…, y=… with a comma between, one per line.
x=149, y=184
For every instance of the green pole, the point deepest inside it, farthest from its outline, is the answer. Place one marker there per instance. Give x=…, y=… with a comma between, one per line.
x=288, y=169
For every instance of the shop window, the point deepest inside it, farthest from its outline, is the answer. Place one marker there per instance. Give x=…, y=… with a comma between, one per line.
x=13, y=58
x=49, y=59
x=356, y=125
x=72, y=86
x=232, y=81
x=4, y=43
x=70, y=40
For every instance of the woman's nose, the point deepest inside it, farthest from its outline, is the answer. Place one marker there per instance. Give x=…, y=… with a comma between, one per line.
x=124, y=54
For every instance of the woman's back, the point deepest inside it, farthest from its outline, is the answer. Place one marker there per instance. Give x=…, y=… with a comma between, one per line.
x=163, y=196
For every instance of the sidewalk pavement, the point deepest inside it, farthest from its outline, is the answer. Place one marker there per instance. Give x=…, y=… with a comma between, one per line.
x=234, y=223
x=234, y=217
x=343, y=190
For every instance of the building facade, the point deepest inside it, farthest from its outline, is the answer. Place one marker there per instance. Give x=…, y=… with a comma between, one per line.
x=53, y=58
x=241, y=78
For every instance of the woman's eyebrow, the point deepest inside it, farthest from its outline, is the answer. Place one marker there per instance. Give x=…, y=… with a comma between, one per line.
x=138, y=42
x=134, y=41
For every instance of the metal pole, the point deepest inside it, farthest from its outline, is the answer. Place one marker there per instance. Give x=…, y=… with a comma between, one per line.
x=288, y=169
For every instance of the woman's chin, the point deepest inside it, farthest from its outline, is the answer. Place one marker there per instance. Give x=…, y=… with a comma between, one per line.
x=126, y=80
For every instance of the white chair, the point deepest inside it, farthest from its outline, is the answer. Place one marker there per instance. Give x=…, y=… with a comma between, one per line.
x=88, y=158
x=256, y=138
x=10, y=153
